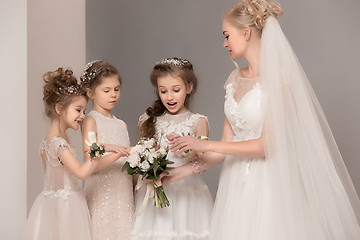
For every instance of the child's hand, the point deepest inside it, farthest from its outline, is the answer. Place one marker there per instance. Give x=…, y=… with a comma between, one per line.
x=122, y=151
x=172, y=136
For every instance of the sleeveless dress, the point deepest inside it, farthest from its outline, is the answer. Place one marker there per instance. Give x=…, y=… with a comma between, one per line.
x=188, y=216
x=60, y=211
x=238, y=206
x=109, y=193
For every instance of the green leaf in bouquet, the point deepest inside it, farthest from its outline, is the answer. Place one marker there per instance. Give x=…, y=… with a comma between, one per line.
x=148, y=172
x=166, y=162
x=131, y=171
x=125, y=166
x=151, y=177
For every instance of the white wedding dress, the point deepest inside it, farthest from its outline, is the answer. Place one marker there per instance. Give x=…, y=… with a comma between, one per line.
x=188, y=216
x=246, y=206
x=239, y=202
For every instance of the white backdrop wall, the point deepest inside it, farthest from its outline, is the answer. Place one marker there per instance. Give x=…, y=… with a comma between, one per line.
x=56, y=38
x=13, y=118
x=133, y=35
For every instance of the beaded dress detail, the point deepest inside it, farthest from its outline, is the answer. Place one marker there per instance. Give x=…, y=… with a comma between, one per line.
x=109, y=193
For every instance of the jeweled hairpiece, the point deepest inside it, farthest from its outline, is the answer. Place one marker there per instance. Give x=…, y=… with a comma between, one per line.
x=68, y=91
x=87, y=76
x=179, y=62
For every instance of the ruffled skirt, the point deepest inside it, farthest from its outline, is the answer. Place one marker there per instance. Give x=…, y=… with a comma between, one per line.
x=187, y=218
x=62, y=217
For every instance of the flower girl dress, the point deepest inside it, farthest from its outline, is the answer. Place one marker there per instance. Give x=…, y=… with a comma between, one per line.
x=189, y=213
x=60, y=211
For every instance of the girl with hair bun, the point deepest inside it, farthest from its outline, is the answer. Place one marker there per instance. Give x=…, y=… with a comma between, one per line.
x=188, y=216
x=60, y=211
x=283, y=176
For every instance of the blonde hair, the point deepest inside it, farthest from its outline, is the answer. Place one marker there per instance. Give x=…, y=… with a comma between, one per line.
x=252, y=13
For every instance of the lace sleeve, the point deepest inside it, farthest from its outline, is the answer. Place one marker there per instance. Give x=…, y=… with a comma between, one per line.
x=232, y=77
x=142, y=119
x=202, y=127
x=54, y=149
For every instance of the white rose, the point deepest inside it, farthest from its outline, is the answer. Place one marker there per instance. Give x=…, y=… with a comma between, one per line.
x=162, y=151
x=152, y=155
x=137, y=149
x=134, y=160
x=149, y=143
x=144, y=166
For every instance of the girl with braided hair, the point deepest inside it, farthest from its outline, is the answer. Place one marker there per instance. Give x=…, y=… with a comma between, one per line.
x=188, y=216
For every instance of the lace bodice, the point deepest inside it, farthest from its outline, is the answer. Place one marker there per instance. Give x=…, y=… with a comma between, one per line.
x=244, y=103
x=183, y=124
x=59, y=181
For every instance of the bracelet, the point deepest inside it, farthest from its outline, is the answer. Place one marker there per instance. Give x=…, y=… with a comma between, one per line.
x=202, y=137
x=195, y=166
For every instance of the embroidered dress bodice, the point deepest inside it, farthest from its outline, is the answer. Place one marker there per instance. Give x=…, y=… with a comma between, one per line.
x=58, y=181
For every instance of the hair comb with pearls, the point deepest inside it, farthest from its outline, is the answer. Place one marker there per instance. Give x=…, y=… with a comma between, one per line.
x=68, y=91
x=177, y=61
x=87, y=76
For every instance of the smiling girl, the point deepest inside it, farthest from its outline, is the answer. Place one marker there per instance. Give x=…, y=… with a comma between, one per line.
x=60, y=211
x=191, y=204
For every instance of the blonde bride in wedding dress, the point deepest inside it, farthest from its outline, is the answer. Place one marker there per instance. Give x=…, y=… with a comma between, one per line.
x=283, y=177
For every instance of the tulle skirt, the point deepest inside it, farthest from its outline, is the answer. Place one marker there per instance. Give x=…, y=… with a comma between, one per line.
x=187, y=218
x=59, y=218
x=247, y=207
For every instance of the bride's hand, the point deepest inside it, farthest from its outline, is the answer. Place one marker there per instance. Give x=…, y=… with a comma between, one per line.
x=183, y=144
x=176, y=174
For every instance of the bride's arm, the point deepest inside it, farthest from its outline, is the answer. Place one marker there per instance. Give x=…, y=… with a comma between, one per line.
x=200, y=164
x=250, y=148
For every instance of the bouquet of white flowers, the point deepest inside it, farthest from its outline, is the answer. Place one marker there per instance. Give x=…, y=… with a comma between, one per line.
x=149, y=159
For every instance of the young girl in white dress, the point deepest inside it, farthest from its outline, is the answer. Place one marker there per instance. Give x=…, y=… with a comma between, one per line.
x=109, y=192
x=188, y=215
x=283, y=176
x=60, y=212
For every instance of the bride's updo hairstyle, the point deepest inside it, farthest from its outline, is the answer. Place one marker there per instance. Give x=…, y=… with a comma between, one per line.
x=60, y=87
x=252, y=13
x=175, y=67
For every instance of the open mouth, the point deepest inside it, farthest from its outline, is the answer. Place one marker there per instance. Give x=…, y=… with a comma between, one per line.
x=78, y=121
x=172, y=105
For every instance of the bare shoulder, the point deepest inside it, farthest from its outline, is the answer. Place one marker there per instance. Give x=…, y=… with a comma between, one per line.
x=88, y=124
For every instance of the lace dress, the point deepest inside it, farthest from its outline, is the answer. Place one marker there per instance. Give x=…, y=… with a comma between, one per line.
x=191, y=203
x=242, y=188
x=60, y=211
x=109, y=192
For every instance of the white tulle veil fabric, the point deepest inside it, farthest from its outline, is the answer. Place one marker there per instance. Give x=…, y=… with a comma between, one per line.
x=310, y=187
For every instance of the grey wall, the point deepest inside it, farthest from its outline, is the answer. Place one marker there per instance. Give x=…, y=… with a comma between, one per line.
x=134, y=34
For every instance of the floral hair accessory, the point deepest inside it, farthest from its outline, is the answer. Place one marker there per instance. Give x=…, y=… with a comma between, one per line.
x=87, y=76
x=177, y=61
x=68, y=91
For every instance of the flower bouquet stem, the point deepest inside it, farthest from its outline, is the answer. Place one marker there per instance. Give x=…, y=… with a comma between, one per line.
x=160, y=200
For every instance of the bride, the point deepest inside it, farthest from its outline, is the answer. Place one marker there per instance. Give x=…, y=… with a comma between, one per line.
x=283, y=177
